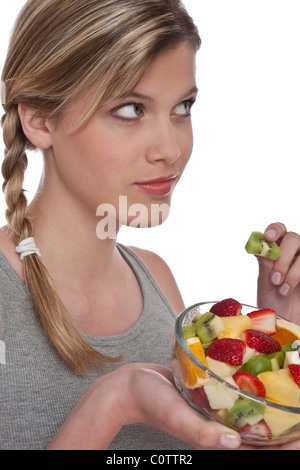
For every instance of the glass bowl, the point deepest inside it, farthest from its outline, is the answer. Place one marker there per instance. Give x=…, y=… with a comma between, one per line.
x=232, y=407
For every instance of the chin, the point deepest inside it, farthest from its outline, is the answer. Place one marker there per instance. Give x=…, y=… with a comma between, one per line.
x=136, y=215
x=142, y=216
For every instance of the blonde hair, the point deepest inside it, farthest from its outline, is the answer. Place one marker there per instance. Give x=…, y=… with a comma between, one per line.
x=58, y=49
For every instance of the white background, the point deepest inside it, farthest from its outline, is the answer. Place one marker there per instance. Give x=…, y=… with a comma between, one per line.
x=244, y=172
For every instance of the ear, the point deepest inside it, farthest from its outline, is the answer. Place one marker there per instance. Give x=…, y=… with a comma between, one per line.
x=35, y=126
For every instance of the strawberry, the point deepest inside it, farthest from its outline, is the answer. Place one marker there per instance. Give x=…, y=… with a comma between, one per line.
x=199, y=397
x=260, y=429
x=228, y=350
x=260, y=341
x=249, y=383
x=295, y=371
x=226, y=308
x=264, y=320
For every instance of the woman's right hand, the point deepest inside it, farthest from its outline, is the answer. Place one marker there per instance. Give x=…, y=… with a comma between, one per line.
x=145, y=393
x=137, y=393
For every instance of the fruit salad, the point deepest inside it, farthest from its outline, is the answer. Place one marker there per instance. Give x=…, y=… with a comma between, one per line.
x=250, y=374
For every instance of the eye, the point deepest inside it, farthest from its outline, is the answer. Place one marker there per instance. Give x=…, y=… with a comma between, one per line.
x=129, y=111
x=184, y=108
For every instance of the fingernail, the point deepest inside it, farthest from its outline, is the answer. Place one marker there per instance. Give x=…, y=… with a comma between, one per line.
x=230, y=441
x=271, y=233
x=276, y=278
x=284, y=289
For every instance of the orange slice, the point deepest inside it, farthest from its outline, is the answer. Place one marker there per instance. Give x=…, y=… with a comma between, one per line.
x=192, y=375
x=284, y=336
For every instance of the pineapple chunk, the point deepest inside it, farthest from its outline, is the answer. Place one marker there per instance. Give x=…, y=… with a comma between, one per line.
x=235, y=325
x=280, y=387
x=280, y=421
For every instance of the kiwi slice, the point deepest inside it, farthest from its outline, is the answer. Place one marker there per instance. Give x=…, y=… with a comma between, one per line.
x=244, y=411
x=188, y=331
x=258, y=245
x=208, y=327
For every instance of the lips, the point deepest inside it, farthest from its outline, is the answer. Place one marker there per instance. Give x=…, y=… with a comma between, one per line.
x=160, y=186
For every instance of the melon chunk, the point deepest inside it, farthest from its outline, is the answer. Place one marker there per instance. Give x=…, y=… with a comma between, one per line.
x=220, y=396
x=280, y=387
x=220, y=368
x=250, y=352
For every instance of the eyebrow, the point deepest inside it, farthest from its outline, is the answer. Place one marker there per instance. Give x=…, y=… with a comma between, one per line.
x=192, y=91
x=134, y=94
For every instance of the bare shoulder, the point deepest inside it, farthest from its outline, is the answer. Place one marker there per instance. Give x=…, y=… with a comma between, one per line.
x=163, y=275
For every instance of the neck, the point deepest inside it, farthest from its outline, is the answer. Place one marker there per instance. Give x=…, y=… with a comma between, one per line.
x=66, y=235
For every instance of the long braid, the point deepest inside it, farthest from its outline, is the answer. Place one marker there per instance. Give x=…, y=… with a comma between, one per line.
x=13, y=169
x=47, y=303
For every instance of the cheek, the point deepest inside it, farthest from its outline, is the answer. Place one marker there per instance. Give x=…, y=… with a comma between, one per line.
x=105, y=151
x=186, y=145
x=91, y=156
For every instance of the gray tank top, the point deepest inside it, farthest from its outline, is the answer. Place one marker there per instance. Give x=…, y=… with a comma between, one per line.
x=38, y=391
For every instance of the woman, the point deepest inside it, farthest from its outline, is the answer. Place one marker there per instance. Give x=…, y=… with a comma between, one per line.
x=105, y=89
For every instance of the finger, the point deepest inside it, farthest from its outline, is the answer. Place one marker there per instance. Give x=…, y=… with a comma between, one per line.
x=290, y=246
x=292, y=279
x=275, y=231
x=199, y=433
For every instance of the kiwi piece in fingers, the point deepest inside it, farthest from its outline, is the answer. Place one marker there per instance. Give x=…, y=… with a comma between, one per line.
x=258, y=245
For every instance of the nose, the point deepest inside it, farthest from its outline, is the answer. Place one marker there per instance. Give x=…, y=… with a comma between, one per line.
x=163, y=143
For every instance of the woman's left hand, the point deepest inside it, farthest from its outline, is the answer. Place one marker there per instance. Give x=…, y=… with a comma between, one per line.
x=279, y=281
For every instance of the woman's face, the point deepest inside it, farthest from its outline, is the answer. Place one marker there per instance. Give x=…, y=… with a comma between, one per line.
x=135, y=147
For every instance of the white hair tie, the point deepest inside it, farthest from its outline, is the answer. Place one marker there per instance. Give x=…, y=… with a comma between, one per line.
x=3, y=92
x=27, y=247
